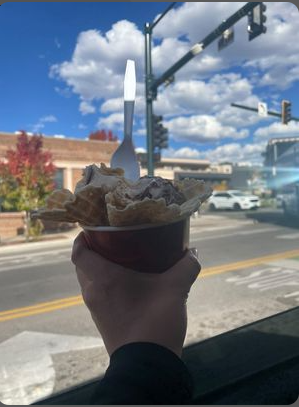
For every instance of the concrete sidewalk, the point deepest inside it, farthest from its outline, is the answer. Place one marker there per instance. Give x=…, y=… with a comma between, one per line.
x=55, y=237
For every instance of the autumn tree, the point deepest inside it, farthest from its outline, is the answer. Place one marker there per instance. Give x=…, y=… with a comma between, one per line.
x=103, y=135
x=26, y=176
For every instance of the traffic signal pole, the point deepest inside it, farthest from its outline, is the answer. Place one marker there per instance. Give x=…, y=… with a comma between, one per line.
x=200, y=46
x=270, y=113
x=149, y=99
x=151, y=84
x=150, y=95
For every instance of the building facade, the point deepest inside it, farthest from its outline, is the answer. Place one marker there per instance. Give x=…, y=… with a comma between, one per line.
x=281, y=162
x=70, y=156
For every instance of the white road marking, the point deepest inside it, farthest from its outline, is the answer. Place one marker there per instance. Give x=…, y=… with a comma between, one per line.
x=288, y=236
x=27, y=372
x=267, y=278
x=30, y=265
x=30, y=255
x=294, y=294
x=237, y=233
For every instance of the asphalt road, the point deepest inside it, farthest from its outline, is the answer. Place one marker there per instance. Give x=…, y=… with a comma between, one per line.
x=250, y=270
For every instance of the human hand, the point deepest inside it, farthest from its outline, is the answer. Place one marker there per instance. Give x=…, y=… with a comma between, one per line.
x=129, y=306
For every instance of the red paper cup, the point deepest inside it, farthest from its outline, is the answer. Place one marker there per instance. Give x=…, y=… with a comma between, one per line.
x=144, y=248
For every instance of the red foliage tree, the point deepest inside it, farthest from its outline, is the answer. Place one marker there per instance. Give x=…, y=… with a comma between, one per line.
x=102, y=135
x=26, y=175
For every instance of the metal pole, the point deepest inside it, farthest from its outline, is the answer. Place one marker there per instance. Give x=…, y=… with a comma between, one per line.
x=270, y=113
x=163, y=14
x=199, y=47
x=149, y=99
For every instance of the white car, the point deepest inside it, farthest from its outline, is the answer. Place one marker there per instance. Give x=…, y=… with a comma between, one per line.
x=232, y=199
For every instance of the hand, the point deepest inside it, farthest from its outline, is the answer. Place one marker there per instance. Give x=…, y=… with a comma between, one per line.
x=129, y=306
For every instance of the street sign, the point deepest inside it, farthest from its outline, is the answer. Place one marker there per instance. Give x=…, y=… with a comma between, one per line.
x=262, y=109
x=226, y=38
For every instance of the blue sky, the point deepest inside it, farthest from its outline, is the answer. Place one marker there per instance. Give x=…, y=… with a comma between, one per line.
x=64, y=65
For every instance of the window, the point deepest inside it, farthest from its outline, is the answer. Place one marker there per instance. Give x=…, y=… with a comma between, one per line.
x=58, y=179
x=248, y=248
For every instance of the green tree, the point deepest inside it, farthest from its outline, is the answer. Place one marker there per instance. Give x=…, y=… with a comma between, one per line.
x=26, y=177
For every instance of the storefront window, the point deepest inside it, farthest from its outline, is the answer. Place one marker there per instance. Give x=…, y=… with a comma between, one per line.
x=58, y=179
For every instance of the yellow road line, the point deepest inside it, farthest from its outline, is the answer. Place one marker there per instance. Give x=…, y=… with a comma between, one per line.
x=41, y=310
x=40, y=305
x=50, y=306
x=248, y=263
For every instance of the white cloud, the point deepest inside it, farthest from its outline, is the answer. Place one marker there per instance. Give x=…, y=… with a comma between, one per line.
x=57, y=43
x=140, y=150
x=275, y=53
x=86, y=108
x=235, y=152
x=116, y=105
x=37, y=127
x=65, y=92
x=278, y=129
x=201, y=129
x=95, y=71
x=98, y=63
x=186, y=152
x=115, y=120
x=211, y=97
x=82, y=126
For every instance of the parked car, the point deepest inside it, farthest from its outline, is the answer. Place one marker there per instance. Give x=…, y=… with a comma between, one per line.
x=233, y=199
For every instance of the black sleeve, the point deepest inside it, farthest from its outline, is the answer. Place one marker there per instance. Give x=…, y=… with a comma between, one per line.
x=144, y=373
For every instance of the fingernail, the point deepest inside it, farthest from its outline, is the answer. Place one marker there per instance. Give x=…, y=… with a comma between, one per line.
x=194, y=251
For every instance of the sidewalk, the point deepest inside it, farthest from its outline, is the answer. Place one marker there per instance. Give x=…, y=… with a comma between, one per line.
x=20, y=241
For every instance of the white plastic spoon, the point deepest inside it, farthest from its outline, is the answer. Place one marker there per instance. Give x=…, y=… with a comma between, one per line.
x=125, y=156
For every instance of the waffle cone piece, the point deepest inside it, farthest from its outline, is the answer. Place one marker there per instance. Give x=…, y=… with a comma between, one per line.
x=123, y=212
x=103, y=197
x=87, y=204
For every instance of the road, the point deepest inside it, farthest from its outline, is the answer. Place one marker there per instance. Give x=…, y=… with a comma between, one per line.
x=250, y=270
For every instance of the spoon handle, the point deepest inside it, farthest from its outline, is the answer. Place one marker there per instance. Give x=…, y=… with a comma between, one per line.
x=128, y=119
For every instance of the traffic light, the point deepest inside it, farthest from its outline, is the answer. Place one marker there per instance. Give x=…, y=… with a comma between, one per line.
x=256, y=20
x=160, y=133
x=286, y=113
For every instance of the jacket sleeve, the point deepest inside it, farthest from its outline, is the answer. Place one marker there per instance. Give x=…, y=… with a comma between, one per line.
x=144, y=373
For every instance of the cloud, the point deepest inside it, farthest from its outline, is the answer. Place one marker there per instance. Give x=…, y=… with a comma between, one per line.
x=86, y=108
x=116, y=105
x=82, y=126
x=196, y=19
x=140, y=150
x=37, y=127
x=235, y=152
x=98, y=63
x=184, y=152
x=65, y=92
x=196, y=107
x=115, y=120
x=278, y=129
x=202, y=129
x=57, y=43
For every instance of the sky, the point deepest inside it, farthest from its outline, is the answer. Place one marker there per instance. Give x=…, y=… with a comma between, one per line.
x=62, y=69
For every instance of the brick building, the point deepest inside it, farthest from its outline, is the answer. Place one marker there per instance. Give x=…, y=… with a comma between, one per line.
x=70, y=156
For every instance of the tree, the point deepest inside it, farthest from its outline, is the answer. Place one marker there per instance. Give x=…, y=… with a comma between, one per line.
x=103, y=135
x=26, y=176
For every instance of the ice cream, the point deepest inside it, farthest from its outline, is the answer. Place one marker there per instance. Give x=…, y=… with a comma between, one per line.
x=155, y=188
x=103, y=197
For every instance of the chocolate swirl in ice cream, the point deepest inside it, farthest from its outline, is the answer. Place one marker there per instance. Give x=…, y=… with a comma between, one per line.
x=155, y=188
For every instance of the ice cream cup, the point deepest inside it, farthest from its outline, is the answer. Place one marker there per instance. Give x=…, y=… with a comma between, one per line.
x=146, y=248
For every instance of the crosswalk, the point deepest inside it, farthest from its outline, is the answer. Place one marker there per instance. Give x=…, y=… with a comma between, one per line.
x=284, y=279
